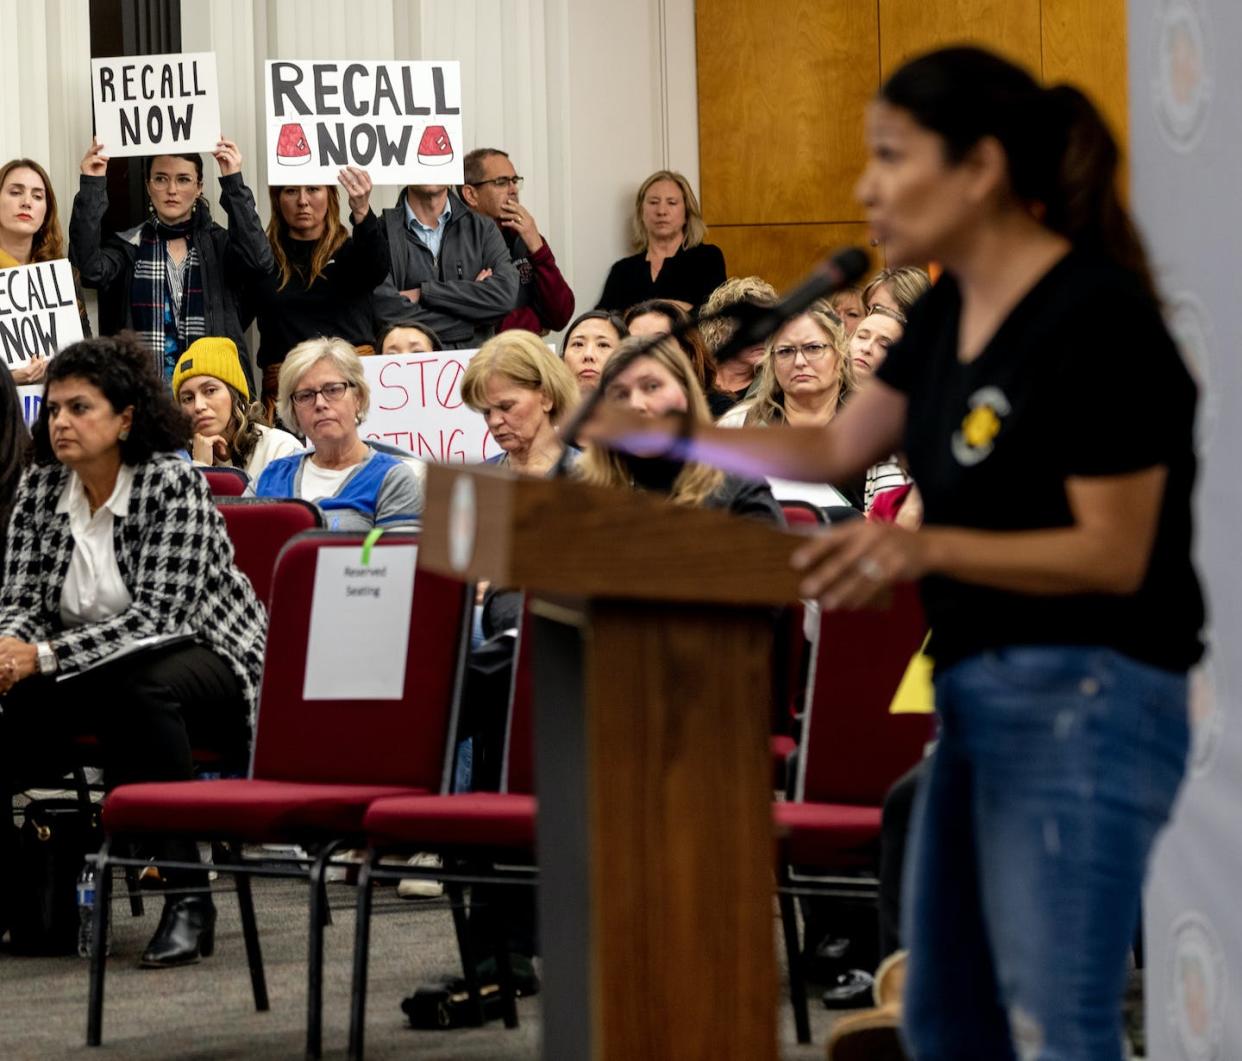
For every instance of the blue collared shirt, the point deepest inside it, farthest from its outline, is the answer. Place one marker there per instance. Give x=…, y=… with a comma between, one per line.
x=430, y=236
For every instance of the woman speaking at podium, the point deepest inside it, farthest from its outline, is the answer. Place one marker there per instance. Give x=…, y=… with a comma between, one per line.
x=1054, y=556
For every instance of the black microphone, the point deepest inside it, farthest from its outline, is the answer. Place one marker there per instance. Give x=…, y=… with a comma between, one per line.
x=844, y=268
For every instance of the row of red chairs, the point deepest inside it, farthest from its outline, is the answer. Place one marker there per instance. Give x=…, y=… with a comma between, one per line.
x=333, y=774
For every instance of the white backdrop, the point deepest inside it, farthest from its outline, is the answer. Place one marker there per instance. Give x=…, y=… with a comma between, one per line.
x=1185, y=116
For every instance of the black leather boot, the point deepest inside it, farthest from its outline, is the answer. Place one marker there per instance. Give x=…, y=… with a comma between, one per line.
x=187, y=932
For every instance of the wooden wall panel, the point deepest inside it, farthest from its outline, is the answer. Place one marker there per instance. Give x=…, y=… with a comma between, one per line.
x=782, y=89
x=908, y=27
x=1084, y=43
x=784, y=254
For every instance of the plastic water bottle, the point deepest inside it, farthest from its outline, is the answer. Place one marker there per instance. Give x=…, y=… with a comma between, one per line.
x=86, y=913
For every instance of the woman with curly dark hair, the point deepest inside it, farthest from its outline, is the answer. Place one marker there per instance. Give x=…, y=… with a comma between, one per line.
x=122, y=613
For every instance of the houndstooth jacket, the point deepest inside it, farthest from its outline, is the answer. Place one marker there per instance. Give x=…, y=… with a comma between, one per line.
x=174, y=556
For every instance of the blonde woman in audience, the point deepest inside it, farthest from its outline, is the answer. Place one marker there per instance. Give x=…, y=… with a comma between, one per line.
x=590, y=341
x=524, y=392
x=323, y=394
x=672, y=261
x=736, y=376
x=654, y=384
x=229, y=432
x=875, y=334
x=896, y=289
x=848, y=304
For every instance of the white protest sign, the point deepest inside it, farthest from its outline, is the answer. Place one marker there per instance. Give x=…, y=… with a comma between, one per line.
x=148, y=104
x=360, y=624
x=416, y=404
x=38, y=311
x=30, y=397
x=400, y=121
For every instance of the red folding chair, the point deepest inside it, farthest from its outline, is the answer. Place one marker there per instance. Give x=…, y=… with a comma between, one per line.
x=225, y=482
x=474, y=832
x=316, y=765
x=853, y=749
x=259, y=528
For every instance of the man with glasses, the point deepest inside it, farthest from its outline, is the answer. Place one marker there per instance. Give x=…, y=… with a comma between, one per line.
x=545, y=302
x=450, y=268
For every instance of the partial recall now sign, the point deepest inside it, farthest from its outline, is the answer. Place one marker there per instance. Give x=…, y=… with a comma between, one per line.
x=38, y=311
x=148, y=104
x=400, y=121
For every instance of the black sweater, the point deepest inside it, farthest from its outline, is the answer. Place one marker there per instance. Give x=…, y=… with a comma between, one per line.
x=688, y=276
x=338, y=303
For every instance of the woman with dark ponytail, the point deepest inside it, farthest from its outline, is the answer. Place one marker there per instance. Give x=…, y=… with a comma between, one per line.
x=1054, y=555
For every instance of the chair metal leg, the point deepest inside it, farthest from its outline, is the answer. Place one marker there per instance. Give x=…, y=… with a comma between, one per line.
x=362, y=944
x=250, y=933
x=797, y=985
x=314, y=971
x=134, y=888
x=470, y=970
x=504, y=974
x=99, y=948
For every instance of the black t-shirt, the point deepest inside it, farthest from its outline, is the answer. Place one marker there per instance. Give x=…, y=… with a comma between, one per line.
x=688, y=276
x=1081, y=379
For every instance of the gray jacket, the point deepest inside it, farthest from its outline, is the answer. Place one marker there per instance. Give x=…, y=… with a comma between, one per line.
x=463, y=312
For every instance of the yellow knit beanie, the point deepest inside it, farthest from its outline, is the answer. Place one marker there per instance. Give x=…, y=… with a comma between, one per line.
x=211, y=355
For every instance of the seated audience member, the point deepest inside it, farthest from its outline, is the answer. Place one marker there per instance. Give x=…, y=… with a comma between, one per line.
x=14, y=459
x=655, y=383
x=873, y=337
x=448, y=267
x=228, y=427
x=736, y=376
x=896, y=289
x=544, y=300
x=658, y=316
x=324, y=396
x=848, y=305
x=115, y=539
x=30, y=232
x=171, y=278
x=590, y=341
x=307, y=277
x=672, y=262
x=804, y=378
x=408, y=337
x=524, y=392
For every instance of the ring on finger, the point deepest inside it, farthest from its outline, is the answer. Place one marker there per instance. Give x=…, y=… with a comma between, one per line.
x=870, y=569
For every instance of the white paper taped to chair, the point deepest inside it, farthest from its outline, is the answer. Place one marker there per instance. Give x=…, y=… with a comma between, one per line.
x=360, y=624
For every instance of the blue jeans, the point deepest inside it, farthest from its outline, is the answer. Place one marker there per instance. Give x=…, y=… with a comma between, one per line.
x=1055, y=769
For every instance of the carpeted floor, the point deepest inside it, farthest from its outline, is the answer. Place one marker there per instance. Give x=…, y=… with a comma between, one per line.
x=205, y=1013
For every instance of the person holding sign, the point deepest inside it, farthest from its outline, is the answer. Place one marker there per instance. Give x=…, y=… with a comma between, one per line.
x=30, y=232
x=123, y=614
x=168, y=278
x=308, y=277
x=324, y=395
x=229, y=432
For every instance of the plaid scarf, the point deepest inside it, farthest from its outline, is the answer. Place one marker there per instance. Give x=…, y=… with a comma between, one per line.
x=167, y=326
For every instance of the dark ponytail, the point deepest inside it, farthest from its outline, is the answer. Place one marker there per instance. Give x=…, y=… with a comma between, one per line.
x=1062, y=158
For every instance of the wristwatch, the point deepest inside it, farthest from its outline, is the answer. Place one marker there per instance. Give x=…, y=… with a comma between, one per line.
x=46, y=657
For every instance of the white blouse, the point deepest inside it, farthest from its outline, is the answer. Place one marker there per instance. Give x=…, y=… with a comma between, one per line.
x=94, y=589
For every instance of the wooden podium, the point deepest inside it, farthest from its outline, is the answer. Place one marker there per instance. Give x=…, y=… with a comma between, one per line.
x=653, y=643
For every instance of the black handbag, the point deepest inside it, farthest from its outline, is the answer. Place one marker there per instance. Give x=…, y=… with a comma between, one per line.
x=52, y=846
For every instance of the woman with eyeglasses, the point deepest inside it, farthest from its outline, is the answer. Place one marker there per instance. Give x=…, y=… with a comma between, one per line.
x=672, y=262
x=323, y=395
x=168, y=278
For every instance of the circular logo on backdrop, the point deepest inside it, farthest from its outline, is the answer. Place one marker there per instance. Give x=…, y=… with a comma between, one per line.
x=1192, y=329
x=1199, y=988
x=1181, y=85
x=463, y=522
x=1207, y=720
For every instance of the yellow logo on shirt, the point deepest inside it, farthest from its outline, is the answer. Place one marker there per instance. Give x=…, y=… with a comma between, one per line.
x=976, y=438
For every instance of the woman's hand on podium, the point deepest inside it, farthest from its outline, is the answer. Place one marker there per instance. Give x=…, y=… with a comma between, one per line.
x=854, y=564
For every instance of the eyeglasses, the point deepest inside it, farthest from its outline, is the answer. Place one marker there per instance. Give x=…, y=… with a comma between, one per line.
x=811, y=351
x=500, y=183
x=162, y=180
x=332, y=392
